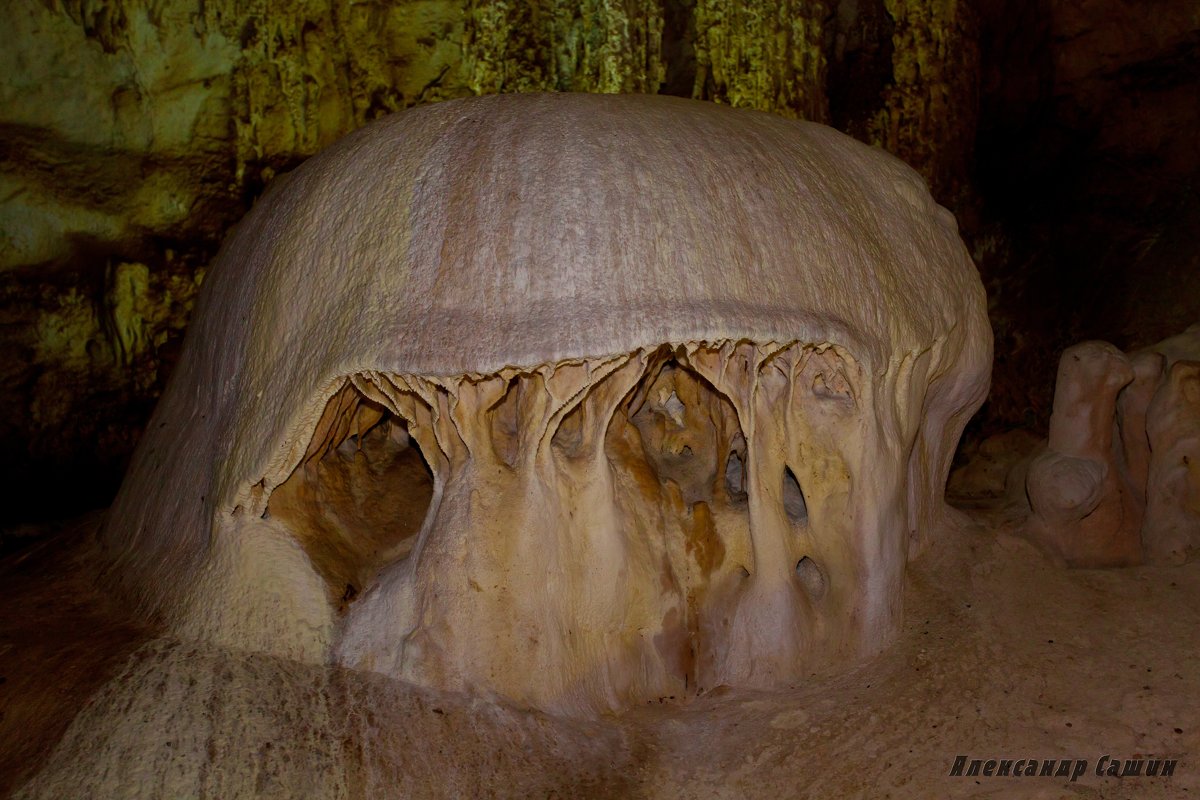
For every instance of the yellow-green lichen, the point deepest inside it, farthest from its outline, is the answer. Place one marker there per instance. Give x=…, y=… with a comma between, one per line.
x=928, y=115
x=763, y=54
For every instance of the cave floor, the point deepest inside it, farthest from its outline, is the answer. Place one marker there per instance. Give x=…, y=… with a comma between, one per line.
x=1003, y=656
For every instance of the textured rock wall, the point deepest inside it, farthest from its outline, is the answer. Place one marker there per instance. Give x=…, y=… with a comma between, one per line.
x=589, y=46
x=928, y=115
x=132, y=135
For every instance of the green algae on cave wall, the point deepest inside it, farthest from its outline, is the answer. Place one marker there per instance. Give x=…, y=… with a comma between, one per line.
x=587, y=46
x=761, y=54
x=928, y=115
x=764, y=55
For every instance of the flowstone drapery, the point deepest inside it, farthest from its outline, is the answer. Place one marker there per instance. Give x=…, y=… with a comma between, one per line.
x=574, y=400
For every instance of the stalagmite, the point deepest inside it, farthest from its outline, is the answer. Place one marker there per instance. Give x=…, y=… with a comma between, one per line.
x=1083, y=509
x=1116, y=484
x=1172, y=530
x=1132, y=404
x=574, y=401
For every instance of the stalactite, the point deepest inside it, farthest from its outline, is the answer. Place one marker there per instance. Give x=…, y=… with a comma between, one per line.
x=763, y=54
x=930, y=111
x=304, y=77
x=591, y=46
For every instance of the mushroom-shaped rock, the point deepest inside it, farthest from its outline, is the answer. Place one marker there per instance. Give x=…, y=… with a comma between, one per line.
x=576, y=400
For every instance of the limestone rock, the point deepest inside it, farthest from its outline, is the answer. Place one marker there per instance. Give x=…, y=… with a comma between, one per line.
x=687, y=381
x=1116, y=482
x=1172, y=528
x=1132, y=404
x=137, y=133
x=935, y=53
x=1083, y=510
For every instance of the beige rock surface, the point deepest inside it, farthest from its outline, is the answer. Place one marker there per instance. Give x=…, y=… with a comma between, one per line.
x=1084, y=511
x=1132, y=405
x=579, y=352
x=1115, y=483
x=1172, y=527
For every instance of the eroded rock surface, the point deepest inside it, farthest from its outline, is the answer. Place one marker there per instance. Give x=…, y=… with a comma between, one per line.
x=1083, y=508
x=680, y=406
x=590, y=528
x=1116, y=483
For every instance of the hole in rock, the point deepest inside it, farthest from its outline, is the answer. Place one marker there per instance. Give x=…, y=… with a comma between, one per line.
x=505, y=424
x=360, y=495
x=569, y=436
x=811, y=577
x=793, y=497
x=674, y=408
x=685, y=426
x=678, y=455
x=735, y=478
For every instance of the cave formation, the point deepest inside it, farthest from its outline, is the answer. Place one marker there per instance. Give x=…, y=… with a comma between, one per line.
x=459, y=538
x=520, y=324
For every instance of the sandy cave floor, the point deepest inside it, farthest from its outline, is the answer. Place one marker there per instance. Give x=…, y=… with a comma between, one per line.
x=1002, y=656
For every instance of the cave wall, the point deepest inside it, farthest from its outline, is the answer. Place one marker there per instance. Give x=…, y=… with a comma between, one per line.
x=133, y=133
x=1088, y=169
